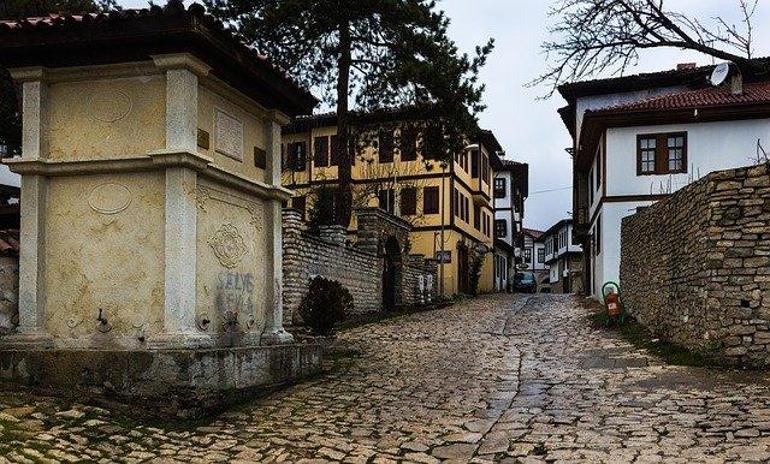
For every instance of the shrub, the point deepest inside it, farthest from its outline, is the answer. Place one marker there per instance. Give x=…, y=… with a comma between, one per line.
x=326, y=303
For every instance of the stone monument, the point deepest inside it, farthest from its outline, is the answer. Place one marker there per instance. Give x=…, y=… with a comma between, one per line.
x=151, y=206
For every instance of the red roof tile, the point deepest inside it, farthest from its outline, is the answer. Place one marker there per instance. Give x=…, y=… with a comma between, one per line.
x=756, y=93
x=9, y=242
x=536, y=234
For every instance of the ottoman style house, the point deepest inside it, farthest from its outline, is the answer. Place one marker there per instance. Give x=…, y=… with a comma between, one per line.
x=510, y=190
x=151, y=205
x=397, y=170
x=639, y=138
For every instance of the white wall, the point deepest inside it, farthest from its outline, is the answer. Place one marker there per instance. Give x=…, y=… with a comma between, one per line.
x=710, y=147
x=606, y=265
x=596, y=102
x=503, y=206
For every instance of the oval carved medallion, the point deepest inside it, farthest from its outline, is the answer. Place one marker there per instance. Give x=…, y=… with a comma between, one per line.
x=110, y=106
x=109, y=198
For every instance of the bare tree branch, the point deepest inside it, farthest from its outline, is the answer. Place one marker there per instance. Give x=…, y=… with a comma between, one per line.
x=594, y=37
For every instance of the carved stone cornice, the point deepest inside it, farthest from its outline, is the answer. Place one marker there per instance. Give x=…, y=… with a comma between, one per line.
x=157, y=161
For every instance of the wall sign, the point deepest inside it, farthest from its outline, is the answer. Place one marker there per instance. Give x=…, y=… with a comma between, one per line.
x=444, y=257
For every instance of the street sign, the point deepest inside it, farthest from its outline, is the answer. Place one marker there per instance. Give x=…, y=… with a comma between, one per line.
x=444, y=257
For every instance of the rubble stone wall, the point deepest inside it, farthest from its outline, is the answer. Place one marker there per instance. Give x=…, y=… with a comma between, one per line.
x=9, y=293
x=357, y=265
x=695, y=267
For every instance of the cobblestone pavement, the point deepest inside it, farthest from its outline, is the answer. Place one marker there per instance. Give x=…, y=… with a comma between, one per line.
x=498, y=379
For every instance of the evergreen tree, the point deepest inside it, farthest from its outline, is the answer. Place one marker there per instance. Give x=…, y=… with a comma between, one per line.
x=378, y=53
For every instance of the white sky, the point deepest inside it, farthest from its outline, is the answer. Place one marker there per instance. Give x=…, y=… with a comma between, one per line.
x=529, y=129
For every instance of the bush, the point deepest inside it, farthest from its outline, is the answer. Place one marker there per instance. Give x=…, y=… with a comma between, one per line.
x=326, y=303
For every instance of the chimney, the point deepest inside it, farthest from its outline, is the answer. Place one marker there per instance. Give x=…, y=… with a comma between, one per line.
x=736, y=83
x=685, y=66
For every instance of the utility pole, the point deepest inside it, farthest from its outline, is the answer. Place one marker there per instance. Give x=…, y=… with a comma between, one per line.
x=442, y=195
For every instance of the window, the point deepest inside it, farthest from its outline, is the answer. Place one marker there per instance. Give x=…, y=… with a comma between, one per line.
x=500, y=187
x=334, y=147
x=528, y=255
x=433, y=143
x=297, y=156
x=475, y=164
x=466, y=210
x=501, y=228
x=386, y=199
x=662, y=153
x=477, y=217
x=386, y=146
x=541, y=255
x=430, y=200
x=485, y=168
x=408, y=144
x=408, y=201
x=321, y=151
x=676, y=153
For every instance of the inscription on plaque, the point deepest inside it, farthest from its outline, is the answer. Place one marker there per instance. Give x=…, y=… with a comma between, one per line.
x=229, y=135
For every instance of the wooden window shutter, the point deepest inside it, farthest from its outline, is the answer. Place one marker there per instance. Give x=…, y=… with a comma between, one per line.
x=321, y=151
x=409, y=201
x=430, y=200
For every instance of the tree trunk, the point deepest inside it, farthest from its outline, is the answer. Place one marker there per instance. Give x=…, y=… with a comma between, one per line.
x=345, y=194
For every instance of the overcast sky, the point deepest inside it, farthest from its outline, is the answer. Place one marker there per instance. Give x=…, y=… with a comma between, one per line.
x=529, y=129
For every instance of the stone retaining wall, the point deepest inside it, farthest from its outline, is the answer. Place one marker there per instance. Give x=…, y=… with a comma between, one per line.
x=695, y=268
x=358, y=265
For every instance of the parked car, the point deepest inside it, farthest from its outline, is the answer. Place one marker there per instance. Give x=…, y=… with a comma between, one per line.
x=524, y=282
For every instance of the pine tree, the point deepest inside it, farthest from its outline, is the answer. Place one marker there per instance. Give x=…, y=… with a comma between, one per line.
x=378, y=53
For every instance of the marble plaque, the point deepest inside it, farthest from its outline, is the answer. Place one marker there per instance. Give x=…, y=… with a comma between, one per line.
x=229, y=135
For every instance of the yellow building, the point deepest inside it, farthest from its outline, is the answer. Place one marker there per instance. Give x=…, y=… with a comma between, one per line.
x=395, y=169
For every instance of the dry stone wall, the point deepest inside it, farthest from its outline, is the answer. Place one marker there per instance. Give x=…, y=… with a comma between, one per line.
x=695, y=268
x=357, y=265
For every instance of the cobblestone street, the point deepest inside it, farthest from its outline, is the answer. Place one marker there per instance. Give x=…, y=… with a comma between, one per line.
x=497, y=379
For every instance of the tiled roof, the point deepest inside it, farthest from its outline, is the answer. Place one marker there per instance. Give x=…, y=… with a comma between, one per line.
x=54, y=22
x=536, y=234
x=756, y=93
x=683, y=76
x=9, y=242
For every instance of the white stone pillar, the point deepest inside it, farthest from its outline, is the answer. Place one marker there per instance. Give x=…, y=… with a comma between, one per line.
x=34, y=193
x=34, y=117
x=181, y=110
x=180, y=302
x=274, y=332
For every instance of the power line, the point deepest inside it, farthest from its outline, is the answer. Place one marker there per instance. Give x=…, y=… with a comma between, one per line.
x=550, y=190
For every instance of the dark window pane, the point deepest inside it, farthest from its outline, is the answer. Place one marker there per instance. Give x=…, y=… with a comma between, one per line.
x=500, y=187
x=386, y=146
x=408, y=144
x=321, y=151
x=408, y=202
x=430, y=200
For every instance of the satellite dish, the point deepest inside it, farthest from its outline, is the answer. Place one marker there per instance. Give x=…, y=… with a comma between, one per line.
x=720, y=73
